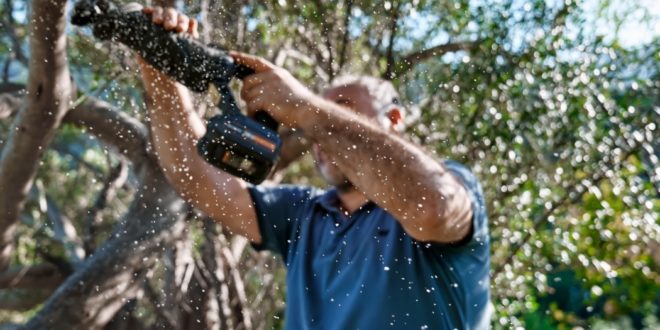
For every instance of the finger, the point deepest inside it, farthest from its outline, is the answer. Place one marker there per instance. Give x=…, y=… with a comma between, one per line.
x=250, y=93
x=254, y=105
x=182, y=23
x=256, y=79
x=251, y=81
x=169, y=18
x=157, y=15
x=257, y=91
x=256, y=63
x=192, y=28
x=148, y=10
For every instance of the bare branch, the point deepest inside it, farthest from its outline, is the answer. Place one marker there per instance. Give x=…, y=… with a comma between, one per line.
x=10, y=87
x=326, y=30
x=65, y=233
x=5, y=69
x=345, y=36
x=320, y=59
x=115, y=272
x=43, y=276
x=22, y=300
x=154, y=298
x=205, y=22
x=8, y=22
x=47, y=101
x=178, y=265
x=126, y=318
x=112, y=127
x=389, y=55
x=409, y=61
x=114, y=181
x=11, y=99
x=241, y=308
x=201, y=303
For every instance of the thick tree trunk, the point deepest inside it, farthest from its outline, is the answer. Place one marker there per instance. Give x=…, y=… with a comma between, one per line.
x=48, y=96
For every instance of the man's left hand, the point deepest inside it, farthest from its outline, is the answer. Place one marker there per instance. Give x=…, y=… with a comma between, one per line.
x=274, y=90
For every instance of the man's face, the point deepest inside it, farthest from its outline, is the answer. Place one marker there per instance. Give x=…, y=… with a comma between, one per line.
x=357, y=98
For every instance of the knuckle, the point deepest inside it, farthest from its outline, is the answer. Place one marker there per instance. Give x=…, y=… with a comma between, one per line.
x=171, y=13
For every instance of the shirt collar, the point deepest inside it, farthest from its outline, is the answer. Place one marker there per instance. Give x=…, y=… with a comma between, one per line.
x=330, y=201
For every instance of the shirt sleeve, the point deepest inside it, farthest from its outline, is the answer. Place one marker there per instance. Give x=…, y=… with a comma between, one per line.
x=279, y=210
x=479, y=233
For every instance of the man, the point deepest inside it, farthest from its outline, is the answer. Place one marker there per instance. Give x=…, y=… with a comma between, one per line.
x=401, y=241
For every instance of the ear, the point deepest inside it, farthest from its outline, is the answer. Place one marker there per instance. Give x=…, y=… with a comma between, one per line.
x=316, y=152
x=395, y=116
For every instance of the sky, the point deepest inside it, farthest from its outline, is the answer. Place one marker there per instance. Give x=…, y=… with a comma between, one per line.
x=635, y=30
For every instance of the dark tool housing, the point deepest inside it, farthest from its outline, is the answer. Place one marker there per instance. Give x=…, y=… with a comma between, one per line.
x=245, y=147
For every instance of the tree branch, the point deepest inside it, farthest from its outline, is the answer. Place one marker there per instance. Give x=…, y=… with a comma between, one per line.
x=126, y=318
x=320, y=59
x=166, y=320
x=409, y=61
x=34, y=127
x=327, y=38
x=10, y=87
x=113, y=128
x=241, y=306
x=345, y=36
x=65, y=233
x=11, y=99
x=8, y=22
x=114, y=181
x=42, y=276
x=389, y=55
x=91, y=296
x=21, y=300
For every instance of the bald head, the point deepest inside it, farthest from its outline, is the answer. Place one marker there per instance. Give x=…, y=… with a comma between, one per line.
x=372, y=97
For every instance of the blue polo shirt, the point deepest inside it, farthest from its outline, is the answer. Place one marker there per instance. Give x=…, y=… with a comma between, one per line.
x=365, y=272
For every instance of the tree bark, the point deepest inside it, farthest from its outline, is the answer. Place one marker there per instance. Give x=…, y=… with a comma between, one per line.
x=42, y=276
x=114, y=274
x=409, y=61
x=90, y=297
x=48, y=97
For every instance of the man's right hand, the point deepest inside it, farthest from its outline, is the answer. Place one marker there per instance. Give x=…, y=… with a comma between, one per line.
x=172, y=20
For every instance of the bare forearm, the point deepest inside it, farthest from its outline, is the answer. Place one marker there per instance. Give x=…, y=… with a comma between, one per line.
x=175, y=127
x=382, y=165
x=169, y=102
x=175, y=131
x=392, y=172
x=419, y=192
